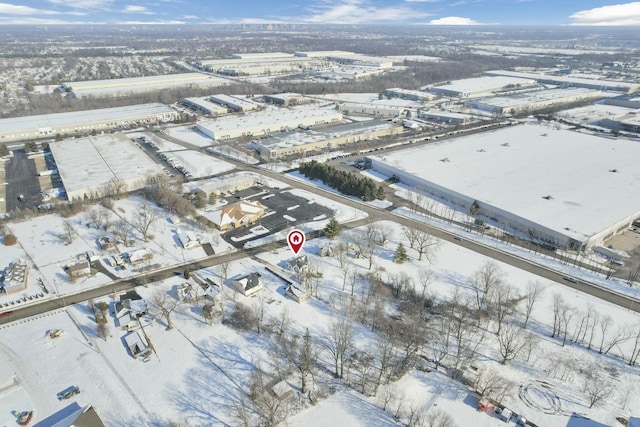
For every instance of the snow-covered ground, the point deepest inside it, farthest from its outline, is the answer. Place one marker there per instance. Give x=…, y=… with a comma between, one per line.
x=198, y=371
x=200, y=165
x=190, y=135
x=42, y=244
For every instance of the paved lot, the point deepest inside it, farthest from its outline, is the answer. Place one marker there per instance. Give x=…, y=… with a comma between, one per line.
x=22, y=178
x=629, y=241
x=282, y=203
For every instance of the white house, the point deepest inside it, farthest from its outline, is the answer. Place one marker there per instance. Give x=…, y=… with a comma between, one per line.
x=297, y=294
x=188, y=240
x=137, y=346
x=248, y=285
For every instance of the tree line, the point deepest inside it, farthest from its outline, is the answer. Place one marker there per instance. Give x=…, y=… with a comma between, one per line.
x=345, y=182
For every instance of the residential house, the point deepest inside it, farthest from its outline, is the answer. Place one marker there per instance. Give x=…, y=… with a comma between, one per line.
x=15, y=277
x=248, y=285
x=137, y=346
x=298, y=264
x=105, y=242
x=297, y=294
x=188, y=240
x=81, y=268
x=139, y=255
x=237, y=215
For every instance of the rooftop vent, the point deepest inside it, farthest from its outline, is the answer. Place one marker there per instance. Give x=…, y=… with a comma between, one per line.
x=613, y=170
x=547, y=197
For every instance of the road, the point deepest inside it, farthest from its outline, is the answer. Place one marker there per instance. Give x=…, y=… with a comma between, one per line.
x=375, y=214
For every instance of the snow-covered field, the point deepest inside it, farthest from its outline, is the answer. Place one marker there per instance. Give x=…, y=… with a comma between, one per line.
x=190, y=135
x=200, y=165
x=198, y=371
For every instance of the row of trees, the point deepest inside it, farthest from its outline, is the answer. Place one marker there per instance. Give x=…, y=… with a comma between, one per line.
x=345, y=182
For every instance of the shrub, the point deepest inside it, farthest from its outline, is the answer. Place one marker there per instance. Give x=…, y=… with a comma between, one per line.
x=10, y=239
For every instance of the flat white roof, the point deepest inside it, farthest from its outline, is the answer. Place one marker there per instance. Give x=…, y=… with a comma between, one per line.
x=232, y=100
x=205, y=104
x=565, y=79
x=130, y=112
x=483, y=84
x=295, y=138
x=265, y=117
x=133, y=82
x=573, y=168
x=541, y=96
x=593, y=113
x=92, y=161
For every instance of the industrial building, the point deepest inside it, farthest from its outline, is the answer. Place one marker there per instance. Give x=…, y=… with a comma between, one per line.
x=267, y=122
x=599, y=117
x=371, y=109
x=256, y=64
x=567, y=81
x=291, y=143
x=413, y=95
x=204, y=106
x=234, y=103
x=559, y=187
x=529, y=102
x=348, y=58
x=224, y=184
x=286, y=99
x=479, y=86
x=135, y=85
x=83, y=122
x=442, y=116
x=98, y=166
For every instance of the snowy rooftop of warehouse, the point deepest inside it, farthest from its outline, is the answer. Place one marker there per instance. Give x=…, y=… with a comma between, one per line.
x=134, y=82
x=565, y=79
x=593, y=113
x=265, y=117
x=95, y=160
x=514, y=168
x=294, y=138
x=541, y=96
x=86, y=116
x=483, y=84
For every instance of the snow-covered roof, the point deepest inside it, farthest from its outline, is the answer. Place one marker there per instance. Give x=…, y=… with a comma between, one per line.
x=541, y=96
x=514, y=168
x=93, y=161
x=481, y=84
x=567, y=80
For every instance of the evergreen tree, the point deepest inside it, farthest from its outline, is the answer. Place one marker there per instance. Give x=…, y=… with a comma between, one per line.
x=400, y=255
x=333, y=228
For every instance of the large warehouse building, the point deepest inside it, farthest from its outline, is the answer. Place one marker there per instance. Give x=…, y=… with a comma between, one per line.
x=134, y=85
x=563, y=188
x=291, y=143
x=83, y=122
x=568, y=81
x=479, y=86
x=529, y=102
x=97, y=166
x=266, y=122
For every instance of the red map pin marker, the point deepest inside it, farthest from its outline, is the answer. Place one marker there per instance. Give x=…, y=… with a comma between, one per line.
x=295, y=238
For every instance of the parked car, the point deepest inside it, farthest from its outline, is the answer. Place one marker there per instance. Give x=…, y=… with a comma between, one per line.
x=67, y=393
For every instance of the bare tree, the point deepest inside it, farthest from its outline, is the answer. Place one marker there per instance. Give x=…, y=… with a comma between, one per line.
x=502, y=303
x=99, y=216
x=387, y=353
x=512, y=340
x=102, y=329
x=345, y=272
x=143, y=221
x=224, y=270
x=605, y=323
x=567, y=313
x=339, y=341
x=67, y=235
x=484, y=282
x=122, y=230
x=164, y=305
x=489, y=383
x=272, y=411
x=621, y=335
x=633, y=357
x=531, y=342
x=439, y=418
x=634, y=272
x=534, y=290
x=596, y=387
x=558, y=304
x=300, y=353
x=425, y=244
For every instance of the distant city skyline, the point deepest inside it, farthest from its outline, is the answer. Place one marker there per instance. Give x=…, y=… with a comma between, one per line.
x=417, y=12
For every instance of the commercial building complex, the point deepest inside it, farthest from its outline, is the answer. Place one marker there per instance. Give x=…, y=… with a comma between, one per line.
x=559, y=187
x=528, y=102
x=290, y=143
x=566, y=81
x=478, y=86
x=234, y=103
x=204, y=106
x=267, y=122
x=83, y=122
x=97, y=166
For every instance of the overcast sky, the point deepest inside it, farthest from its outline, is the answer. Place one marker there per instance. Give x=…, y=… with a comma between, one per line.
x=431, y=12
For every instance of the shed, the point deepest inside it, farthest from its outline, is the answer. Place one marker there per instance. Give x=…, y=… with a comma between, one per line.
x=297, y=294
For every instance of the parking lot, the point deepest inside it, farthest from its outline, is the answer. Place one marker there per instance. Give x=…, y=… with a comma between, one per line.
x=23, y=186
x=288, y=210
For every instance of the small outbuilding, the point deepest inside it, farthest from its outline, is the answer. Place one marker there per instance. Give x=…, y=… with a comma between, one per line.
x=297, y=294
x=82, y=268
